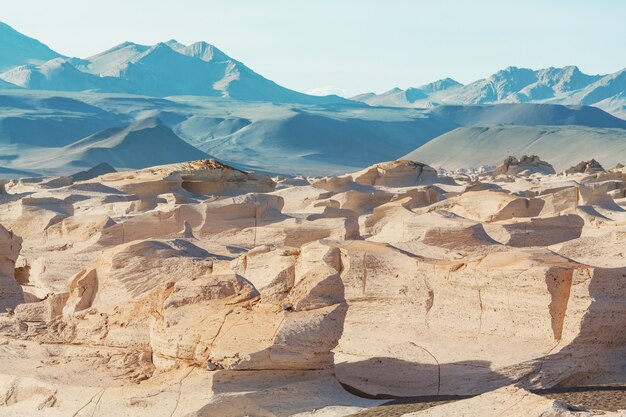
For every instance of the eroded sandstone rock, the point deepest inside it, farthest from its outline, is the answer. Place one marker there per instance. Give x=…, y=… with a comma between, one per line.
x=222, y=293
x=11, y=293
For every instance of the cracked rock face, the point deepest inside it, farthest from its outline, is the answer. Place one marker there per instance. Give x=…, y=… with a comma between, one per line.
x=198, y=289
x=11, y=293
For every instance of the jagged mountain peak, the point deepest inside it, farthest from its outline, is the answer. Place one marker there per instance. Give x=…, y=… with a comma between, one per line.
x=565, y=85
x=440, y=85
x=511, y=78
x=175, y=45
x=165, y=69
x=205, y=51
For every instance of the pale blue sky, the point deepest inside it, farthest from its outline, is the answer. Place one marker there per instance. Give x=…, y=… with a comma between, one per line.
x=348, y=46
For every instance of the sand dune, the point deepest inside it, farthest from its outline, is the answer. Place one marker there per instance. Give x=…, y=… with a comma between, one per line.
x=473, y=147
x=141, y=144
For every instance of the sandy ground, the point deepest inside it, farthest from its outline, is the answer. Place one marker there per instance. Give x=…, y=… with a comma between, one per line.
x=596, y=398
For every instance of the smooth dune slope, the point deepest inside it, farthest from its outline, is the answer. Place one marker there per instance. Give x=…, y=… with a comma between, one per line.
x=313, y=143
x=528, y=114
x=562, y=146
x=141, y=144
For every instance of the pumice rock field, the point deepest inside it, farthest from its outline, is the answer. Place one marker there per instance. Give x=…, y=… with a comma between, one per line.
x=420, y=213
x=197, y=289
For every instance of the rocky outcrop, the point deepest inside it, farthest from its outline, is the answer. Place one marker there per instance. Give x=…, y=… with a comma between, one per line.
x=204, y=177
x=585, y=167
x=387, y=174
x=524, y=166
x=11, y=293
x=392, y=281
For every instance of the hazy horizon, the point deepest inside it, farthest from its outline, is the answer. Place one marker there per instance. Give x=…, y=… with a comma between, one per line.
x=348, y=48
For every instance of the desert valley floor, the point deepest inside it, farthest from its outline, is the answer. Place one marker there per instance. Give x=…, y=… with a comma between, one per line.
x=197, y=289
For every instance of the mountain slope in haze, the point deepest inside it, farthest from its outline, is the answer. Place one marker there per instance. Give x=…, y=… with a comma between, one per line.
x=49, y=120
x=94, y=172
x=17, y=49
x=269, y=137
x=397, y=97
x=313, y=143
x=57, y=74
x=141, y=144
x=527, y=114
x=561, y=146
x=7, y=85
x=567, y=85
x=607, y=93
x=164, y=69
x=521, y=85
x=605, y=87
x=10, y=173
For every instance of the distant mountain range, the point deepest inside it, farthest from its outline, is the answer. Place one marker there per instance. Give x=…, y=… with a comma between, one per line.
x=200, y=69
x=567, y=85
x=135, y=106
x=165, y=69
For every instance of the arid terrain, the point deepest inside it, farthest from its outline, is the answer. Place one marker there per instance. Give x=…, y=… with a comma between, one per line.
x=196, y=289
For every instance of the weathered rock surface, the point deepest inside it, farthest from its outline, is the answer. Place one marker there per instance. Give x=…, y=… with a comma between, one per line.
x=198, y=289
x=11, y=293
x=585, y=167
x=526, y=165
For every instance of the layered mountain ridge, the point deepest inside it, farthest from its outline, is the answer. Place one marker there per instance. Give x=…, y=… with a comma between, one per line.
x=567, y=85
x=201, y=69
x=135, y=105
x=164, y=69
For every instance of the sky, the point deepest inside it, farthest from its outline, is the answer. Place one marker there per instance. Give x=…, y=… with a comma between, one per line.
x=347, y=47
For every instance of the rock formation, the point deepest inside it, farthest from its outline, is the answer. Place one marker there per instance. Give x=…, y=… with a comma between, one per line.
x=11, y=293
x=525, y=165
x=586, y=167
x=199, y=289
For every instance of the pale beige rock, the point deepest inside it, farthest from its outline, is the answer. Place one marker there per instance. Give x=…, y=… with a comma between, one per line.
x=587, y=167
x=11, y=293
x=387, y=174
x=509, y=401
x=525, y=165
x=199, y=289
x=207, y=177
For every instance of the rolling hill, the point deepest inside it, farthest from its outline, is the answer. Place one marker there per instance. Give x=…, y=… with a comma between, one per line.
x=562, y=146
x=42, y=130
x=141, y=144
x=527, y=114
